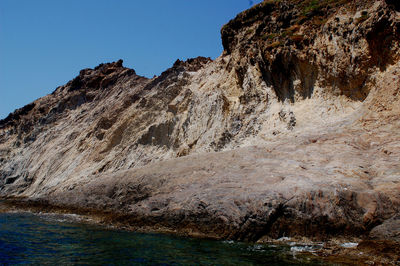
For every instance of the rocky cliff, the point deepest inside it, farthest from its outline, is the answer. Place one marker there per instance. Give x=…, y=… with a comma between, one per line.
x=293, y=130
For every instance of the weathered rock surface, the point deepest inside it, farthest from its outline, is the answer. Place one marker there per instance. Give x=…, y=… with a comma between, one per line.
x=293, y=130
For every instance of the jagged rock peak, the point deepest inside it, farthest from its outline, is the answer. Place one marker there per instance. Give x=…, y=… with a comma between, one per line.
x=272, y=21
x=192, y=64
x=101, y=76
x=300, y=46
x=83, y=88
x=16, y=115
x=189, y=65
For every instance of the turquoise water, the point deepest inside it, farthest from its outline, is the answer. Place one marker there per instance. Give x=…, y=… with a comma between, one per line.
x=56, y=239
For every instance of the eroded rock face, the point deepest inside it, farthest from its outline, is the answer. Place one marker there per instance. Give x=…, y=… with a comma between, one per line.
x=298, y=49
x=293, y=130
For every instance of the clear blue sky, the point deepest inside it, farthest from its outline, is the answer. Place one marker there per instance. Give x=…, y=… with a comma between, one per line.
x=44, y=43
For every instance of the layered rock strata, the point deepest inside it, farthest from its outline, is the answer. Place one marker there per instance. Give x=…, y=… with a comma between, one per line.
x=293, y=131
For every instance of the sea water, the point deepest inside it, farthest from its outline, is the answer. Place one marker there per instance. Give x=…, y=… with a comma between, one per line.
x=27, y=238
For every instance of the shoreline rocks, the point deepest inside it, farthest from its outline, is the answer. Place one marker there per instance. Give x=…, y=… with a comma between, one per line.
x=293, y=131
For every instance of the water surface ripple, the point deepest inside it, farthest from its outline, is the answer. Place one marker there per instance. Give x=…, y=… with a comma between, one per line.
x=56, y=239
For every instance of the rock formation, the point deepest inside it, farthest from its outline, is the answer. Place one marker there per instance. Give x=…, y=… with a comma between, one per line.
x=293, y=131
